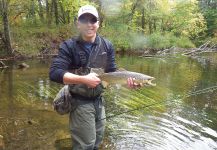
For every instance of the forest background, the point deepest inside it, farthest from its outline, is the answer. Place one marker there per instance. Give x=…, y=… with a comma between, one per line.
x=33, y=27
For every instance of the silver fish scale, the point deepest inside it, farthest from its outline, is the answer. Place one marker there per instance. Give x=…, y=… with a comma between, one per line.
x=127, y=74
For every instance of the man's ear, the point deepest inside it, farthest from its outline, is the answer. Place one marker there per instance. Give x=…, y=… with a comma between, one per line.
x=77, y=24
x=98, y=24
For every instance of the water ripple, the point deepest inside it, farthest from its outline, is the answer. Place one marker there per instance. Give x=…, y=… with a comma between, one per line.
x=161, y=132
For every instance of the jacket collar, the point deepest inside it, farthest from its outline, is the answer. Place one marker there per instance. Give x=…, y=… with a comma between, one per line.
x=81, y=41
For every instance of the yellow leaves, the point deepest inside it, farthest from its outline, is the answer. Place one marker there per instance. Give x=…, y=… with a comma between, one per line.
x=185, y=33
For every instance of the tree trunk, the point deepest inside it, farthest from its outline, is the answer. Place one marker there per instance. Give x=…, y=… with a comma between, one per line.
x=154, y=24
x=68, y=16
x=143, y=20
x=47, y=12
x=133, y=10
x=56, y=11
x=31, y=14
x=150, y=26
x=6, y=34
x=162, y=25
x=63, y=13
x=41, y=15
x=51, y=12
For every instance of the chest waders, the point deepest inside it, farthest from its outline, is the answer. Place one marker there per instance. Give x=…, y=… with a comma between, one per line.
x=87, y=128
x=96, y=59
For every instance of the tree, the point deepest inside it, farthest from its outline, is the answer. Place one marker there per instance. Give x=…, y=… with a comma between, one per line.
x=187, y=20
x=40, y=11
x=209, y=10
x=6, y=33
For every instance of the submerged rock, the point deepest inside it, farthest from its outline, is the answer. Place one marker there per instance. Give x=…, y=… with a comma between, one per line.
x=23, y=65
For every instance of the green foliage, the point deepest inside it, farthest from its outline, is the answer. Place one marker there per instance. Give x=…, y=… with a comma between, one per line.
x=124, y=39
x=128, y=24
x=131, y=40
x=73, y=6
x=184, y=42
x=182, y=19
x=167, y=40
x=32, y=40
x=116, y=33
x=186, y=19
x=214, y=40
x=156, y=40
x=211, y=19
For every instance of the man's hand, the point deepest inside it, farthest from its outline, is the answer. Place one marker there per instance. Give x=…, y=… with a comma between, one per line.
x=132, y=84
x=91, y=80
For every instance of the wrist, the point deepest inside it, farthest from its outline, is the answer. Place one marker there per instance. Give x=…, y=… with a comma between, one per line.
x=81, y=79
x=70, y=78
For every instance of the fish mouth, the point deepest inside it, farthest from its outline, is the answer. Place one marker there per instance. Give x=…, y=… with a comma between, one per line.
x=149, y=82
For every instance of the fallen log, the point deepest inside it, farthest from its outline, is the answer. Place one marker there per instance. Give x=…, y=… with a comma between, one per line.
x=203, y=48
x=2, y=65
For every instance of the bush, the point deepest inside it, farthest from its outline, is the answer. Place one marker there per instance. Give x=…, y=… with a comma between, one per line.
x=124, y=39
x=31, y=40
x=184, y=42
x=117, y=34
x=157, y=40
x=214, y=40
x=167, y=40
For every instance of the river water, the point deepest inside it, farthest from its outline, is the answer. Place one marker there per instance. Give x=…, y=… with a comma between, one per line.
x=180, y=113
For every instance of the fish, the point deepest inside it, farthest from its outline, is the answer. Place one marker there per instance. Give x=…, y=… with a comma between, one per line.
x=120, y=77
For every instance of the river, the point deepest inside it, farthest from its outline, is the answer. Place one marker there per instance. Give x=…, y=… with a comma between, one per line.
x=179, y=113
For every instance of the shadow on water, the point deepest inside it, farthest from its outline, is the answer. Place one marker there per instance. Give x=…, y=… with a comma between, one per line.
x=176, y=120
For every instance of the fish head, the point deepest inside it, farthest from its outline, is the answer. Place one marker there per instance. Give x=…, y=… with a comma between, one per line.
x=145, y=82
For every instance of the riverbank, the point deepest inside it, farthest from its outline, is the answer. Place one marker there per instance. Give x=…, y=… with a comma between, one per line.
x=31, y=41
x=43, y=41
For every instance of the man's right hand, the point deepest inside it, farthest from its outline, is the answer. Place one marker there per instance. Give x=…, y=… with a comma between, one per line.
x=91, y=80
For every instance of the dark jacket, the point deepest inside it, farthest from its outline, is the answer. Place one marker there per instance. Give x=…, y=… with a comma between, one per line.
x=69, y=58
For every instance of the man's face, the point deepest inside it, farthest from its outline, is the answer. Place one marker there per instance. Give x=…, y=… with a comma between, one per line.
x=88, y=25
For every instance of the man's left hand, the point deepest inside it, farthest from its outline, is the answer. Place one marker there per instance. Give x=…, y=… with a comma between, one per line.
x=132, y=84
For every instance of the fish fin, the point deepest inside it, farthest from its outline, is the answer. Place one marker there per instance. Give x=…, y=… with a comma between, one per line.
x=105, y=84
x=98, y=71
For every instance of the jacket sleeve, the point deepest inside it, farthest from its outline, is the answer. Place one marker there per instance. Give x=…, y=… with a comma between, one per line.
x=60, y=64
x=111, y=65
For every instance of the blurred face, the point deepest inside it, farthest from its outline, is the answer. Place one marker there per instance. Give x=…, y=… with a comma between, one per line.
x=88, y=25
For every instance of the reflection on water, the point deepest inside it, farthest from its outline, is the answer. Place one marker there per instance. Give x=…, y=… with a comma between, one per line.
x=185, y=120
x=174, y=115
x=168, y=130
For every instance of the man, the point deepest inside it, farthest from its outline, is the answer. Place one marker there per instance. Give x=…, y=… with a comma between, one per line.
x=87, y=50
x=87, y=118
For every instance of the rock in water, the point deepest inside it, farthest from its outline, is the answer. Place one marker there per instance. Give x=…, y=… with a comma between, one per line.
x=23, y=65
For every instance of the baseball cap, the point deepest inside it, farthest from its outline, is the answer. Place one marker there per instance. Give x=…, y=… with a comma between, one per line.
x=88, y=9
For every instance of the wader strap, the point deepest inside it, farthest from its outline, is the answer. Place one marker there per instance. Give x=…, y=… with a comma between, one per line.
x=97, y=49
x=98, y=107
x=82, y=54
x=83, y=58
